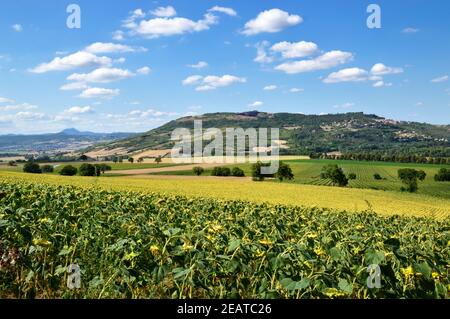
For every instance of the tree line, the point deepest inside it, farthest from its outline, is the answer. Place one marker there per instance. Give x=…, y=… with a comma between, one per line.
x=396, y=158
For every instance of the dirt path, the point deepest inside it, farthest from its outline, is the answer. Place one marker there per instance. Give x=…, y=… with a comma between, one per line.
x=144, y=171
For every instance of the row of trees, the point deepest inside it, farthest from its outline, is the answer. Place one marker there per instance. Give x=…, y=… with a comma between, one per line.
x=68, y=170
x=397, y=158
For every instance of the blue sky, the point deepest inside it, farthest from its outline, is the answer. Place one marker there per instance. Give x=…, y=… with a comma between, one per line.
x=134, y=65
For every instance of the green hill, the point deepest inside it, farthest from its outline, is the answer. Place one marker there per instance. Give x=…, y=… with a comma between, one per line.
x=350, y=132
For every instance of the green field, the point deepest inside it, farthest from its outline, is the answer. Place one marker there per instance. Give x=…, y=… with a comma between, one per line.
x=308, y=172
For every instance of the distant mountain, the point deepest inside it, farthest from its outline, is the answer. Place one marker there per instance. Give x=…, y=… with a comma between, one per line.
x=304, y=134
x=67, y=140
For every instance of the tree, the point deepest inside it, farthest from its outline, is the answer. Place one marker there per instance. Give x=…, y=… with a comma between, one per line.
x=87, y=170
x=409, y=177
x=257, y=175
x=443, y=175
x=140, y=160
x=115, y=159
x=68, y=170
x=237, y=172
x=12, y=163
x=47, y=169
x=335, y=174
x=352, y=176
x=198, y=170
x=83, y=158
x=284, y=172
x=120, y=159
x=131, y=160
x=158, y=160
x=32, y=167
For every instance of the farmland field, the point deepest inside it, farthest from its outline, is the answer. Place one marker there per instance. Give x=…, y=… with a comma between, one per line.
x=308, y=172
x=148, y=245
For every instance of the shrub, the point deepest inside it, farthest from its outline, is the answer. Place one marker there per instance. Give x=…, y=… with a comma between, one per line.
x=32, y=168
x=12, y=163
x=352, y=176
x=198, y=170
x=68, y=170
x=221, y=171
x=87, y=170
x=47, y=169
x=257, y=174
x=237, y=172
x=377, y=176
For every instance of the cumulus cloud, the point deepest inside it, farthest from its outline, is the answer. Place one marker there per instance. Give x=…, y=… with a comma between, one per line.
x=164, y=12
x=410, y=30
x=379, y=84
x=270, y=87
x=440, y=79
x=261, y=54
x=144, y=70
x=291, y=50
x=17, y=27
x=161, y=27
x=29, y=116
x=381, y=69
x=6, y=100
x=199, y=65
x=347, y=75
x=79, y=110
x=16, y=107
x=229, y=11
x=322, y=62
x=102, y=75
x=101, y=47
x=101, y=93
x=76, y=60
x=256, y=104
x=75, y=86
x=212, y=82
x=271, y=21
x=296, y=90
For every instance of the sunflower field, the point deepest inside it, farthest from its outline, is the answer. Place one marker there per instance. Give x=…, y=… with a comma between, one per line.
x=139, y=244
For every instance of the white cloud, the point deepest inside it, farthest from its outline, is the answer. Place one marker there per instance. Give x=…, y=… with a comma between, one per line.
x=410, y=30
x=271, y=21
x=296, y=90
x=120, y=60
x=380, y=84
x=195, y=107
x=270, y=87
x=144, y=70
x=6, y=100
x=322, y=62
x=79, y=110
x=74, y=86
x=102, y=75
x=440, y=79
x=212, y=82
x=76, y=60
x=101, y=47
x=347, y=75
x=344, y=106
x=261, y=54
x=193, y=79
x=199, y=65
x=256, y=104
x=229, y=11
x=159, y=27
x=29, y=116
x=118, y=35
x=164, y=12
x=102, y=93
x=381, y=69
x=17, y=27
x=291, y=50
x=15, y=107
x=130, y=21
x=419, y=104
